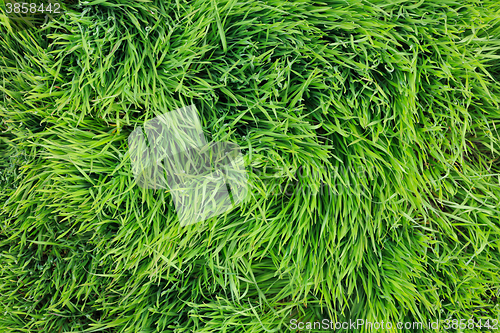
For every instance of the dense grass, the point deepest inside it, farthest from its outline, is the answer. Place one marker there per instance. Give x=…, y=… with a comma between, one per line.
x=371, y=142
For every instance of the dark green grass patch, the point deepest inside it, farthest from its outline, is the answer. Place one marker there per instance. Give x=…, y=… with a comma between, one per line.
x=370, y=134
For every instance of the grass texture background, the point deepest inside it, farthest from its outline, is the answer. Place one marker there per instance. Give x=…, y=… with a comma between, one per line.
x=393, y=106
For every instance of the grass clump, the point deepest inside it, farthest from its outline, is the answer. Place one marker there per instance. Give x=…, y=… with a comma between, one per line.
x=370, y=136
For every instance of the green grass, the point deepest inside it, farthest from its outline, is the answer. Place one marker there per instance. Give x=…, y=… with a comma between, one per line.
x=370, y=136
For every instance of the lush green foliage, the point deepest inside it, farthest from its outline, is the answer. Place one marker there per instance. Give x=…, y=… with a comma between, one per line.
x=370, y=134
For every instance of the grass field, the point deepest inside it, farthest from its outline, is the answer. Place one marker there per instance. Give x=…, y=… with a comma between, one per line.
x=369, y=130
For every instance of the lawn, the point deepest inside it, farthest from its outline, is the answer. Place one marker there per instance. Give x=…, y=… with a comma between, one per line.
x=369, y=134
